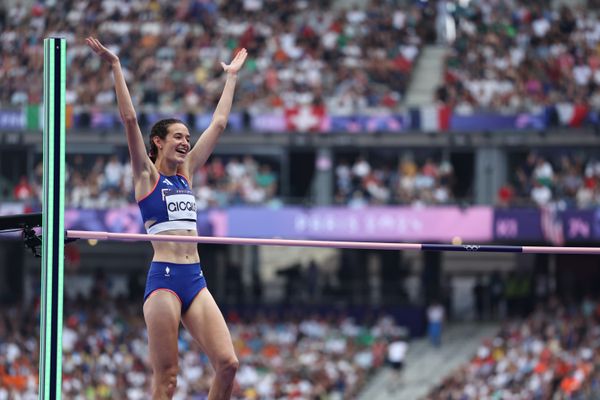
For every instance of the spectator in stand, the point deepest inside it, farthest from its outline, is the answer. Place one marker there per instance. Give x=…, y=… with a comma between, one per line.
x=343, y=175
x=435, y=321
x=23, y=190
x=360, y=169
x=396, y=354
x=505, y=195
x=266, y=180
x=113, y=173
x=405, y=181
x=569, y=182
x=374, y=185
x=543, y=172
x=541, y=195
x=235, y=169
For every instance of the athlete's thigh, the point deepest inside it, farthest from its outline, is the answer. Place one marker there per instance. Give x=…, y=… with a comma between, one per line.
x=207, y=326
x=162, y=312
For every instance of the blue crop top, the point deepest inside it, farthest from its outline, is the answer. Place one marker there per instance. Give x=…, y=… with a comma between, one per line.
x=171, y=205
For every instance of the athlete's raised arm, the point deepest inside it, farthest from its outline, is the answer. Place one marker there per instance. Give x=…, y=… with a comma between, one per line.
x=140, y=161
x=207, y=141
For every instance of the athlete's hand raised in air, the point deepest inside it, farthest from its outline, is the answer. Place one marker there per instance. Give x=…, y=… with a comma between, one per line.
x=102, y=51
x=236, y=63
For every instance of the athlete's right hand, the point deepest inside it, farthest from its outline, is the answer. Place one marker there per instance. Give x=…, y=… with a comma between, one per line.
x=102, y=51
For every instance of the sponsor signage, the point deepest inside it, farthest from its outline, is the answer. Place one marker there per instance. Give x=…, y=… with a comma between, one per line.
x=473, y=225
x=368, y=224
x=525, y=225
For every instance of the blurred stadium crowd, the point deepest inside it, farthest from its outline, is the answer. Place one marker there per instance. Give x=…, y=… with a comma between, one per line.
x=302, y=52
x=567, y=180
x=106, y=182
x=523, y=55
x=552, y=354
x=507, y=55
x=544, y=351
x=299, y=356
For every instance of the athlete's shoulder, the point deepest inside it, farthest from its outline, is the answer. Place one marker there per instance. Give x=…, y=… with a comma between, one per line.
x=146, y=183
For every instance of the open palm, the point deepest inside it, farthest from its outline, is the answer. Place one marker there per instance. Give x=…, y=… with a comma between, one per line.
x=236, y=63
x=102, y=51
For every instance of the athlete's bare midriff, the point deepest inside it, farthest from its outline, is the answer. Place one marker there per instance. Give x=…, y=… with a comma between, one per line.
x=176, y=252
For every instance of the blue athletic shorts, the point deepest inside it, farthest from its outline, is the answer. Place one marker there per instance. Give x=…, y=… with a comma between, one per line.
x=183, y=280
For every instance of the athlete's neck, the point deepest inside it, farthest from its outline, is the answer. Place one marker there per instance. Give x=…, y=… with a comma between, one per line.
x=165, y=167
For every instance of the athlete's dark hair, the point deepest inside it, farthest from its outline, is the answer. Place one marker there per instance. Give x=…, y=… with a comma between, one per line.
x=160, y=129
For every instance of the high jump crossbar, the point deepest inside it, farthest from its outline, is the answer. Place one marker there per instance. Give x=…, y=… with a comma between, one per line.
x=96, y=235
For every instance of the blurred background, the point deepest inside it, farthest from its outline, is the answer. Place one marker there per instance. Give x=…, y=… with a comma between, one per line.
x=450, y=121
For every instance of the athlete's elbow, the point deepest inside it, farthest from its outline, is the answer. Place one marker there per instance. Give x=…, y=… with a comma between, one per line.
x=129, y=118
x=220, y=122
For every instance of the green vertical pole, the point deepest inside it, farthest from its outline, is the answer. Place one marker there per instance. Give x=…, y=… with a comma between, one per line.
x=53, y=230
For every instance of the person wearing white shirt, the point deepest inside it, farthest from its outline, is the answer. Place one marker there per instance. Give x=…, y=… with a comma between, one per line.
x=396, y=354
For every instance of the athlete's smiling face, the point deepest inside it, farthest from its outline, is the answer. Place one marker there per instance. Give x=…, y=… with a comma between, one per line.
x=177, y=143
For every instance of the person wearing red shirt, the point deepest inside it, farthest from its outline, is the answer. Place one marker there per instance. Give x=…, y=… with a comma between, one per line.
x=23, y=190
